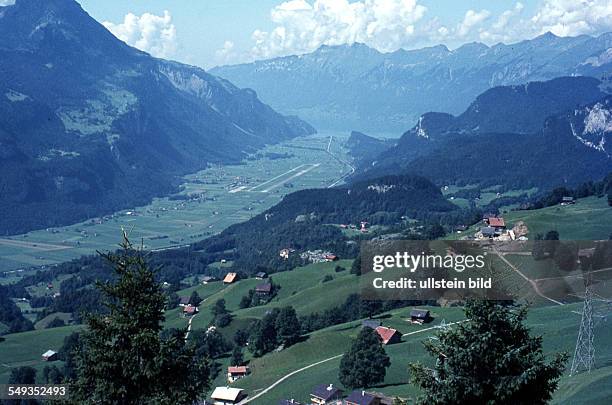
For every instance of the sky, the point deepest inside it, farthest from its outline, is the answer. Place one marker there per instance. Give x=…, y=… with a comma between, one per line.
x=207, y=33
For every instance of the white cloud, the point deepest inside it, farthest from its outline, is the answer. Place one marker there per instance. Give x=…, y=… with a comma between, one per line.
x=302, y=26
x=226, y=54
x=472, y=20
x=7, y=2
x=574, y=17
x=508, y=27
x=148, y=32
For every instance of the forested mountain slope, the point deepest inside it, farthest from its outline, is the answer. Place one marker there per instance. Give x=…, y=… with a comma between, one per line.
x=89, y=125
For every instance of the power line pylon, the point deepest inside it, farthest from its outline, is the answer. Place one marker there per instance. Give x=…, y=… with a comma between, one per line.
x=584, y=355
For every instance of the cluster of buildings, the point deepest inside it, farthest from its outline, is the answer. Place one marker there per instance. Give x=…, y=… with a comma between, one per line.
x=495, y=228
x=318, y=256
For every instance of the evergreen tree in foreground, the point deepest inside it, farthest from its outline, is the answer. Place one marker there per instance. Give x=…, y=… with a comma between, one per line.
x=365, y=364
x=123, y=359
x=490, y=359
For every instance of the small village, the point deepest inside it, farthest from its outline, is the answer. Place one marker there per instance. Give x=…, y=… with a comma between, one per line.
x=322, y=394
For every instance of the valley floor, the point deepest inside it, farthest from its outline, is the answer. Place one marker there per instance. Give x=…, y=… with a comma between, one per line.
x=223, y=196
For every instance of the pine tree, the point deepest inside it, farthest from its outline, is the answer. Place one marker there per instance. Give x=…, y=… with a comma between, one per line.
x=490, y=359
x=237, y=357
x=22, y=375
x=257, y=344
x=287, y=326
x=194, y=299
x=365, y=364
x=263, y=334
x=221, y=316
x=122, y=358
x=52, y=375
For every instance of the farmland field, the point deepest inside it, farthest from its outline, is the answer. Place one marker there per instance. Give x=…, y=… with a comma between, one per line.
x=209, y=201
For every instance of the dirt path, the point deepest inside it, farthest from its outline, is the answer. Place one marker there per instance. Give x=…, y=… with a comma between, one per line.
x=533, y=283
x=287, y=376
x=431, y=328
x=280, y=380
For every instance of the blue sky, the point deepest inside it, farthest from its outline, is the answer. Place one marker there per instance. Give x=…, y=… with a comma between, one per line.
x=212, y=32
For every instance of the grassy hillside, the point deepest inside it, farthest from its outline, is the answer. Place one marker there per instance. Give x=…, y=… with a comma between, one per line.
x=335, y=341
x=304, y=289
x=588, y=219
x=324, y=344
x=26, y=348
x=297, y=288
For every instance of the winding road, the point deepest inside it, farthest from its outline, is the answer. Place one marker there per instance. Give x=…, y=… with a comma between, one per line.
x=287, y=376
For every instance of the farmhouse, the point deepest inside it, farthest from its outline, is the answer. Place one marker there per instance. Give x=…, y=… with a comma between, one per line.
x=49, y=355
x=190, y=310
x=227, y=396
x=261, y=275
x=184, y=301
x=388, y=336
x=497, y=223
x=420, y=316
x=284, y=253
x=289, y=402
x=325, y=394
x=263, y=289
x=359, y=397
x=230, y=278
x=236, y=372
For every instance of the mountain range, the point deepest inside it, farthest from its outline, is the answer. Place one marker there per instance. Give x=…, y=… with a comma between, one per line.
x=89, y=125
x=540, y=134
x=357, y=87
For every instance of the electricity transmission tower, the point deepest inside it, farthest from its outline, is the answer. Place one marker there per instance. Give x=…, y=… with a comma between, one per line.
x=584, y=355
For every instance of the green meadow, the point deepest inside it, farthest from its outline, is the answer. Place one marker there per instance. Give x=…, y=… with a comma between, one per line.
x=589, y=219
x=303, y=289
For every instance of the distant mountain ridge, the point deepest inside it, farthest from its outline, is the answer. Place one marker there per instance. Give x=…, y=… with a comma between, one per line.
x=89, y=125
x=363, y=147
x=542, y=134
x=354, y=86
